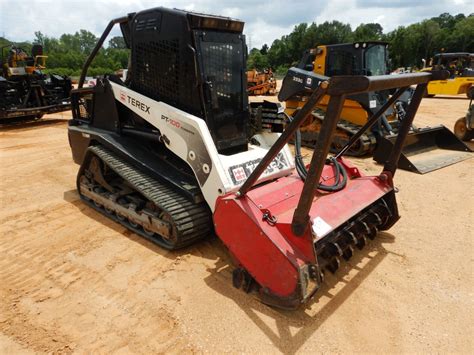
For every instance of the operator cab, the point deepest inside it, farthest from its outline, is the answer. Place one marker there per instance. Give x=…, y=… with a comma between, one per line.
x=196, y=63
x=458, y=64
x=359, y=58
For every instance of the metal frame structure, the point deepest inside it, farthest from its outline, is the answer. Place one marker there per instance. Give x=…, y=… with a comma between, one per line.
x=338, y=89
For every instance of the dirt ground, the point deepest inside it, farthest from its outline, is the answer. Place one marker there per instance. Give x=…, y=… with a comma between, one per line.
x=73, y=281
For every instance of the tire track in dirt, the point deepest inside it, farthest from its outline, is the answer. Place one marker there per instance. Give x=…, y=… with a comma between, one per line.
x=36, y=275
x=54, y=288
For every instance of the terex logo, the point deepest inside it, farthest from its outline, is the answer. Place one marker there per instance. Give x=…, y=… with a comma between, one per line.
x=140, y=105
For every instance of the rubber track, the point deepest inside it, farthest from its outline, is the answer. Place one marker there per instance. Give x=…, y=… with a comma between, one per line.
x=192, y=221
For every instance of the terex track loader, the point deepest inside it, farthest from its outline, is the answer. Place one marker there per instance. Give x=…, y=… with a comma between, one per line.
x=25, y=91
x=167, y=155
x=426, y=149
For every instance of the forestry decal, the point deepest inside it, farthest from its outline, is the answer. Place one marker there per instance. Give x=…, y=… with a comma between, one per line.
x=239, y=173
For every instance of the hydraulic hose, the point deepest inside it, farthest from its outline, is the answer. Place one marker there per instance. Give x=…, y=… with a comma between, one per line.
x=341, y=174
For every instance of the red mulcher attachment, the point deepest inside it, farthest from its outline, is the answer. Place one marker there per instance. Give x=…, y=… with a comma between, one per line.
x=284, y=233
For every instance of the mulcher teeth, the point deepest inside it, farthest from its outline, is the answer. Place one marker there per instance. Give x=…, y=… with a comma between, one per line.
x=348, y=253
x=338, y=249
x=373, y=232
x=352, y=237
x=377, y=218
x=341, y=242
x=333, y=264
x=242, y=279
x=361, y=241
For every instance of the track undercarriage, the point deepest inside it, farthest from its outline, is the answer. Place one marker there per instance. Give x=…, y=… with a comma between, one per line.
x=140, y=203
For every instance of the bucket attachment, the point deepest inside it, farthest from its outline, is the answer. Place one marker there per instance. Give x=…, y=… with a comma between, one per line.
x=425, y=149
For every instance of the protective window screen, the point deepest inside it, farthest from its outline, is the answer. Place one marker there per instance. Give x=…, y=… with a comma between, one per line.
x=222, y=64
x=375, y=61
x=157, y=66
x=222, y=67
x=342, y=63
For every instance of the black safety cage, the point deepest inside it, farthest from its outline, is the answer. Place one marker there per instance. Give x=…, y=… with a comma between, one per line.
x=193, y=62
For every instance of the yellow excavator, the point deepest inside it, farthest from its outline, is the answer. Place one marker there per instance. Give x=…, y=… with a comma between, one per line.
x=426, y=149
x=461, y=79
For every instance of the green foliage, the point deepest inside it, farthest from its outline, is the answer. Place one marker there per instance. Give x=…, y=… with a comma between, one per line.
x=408, y=45
x=368, y=32
x=117, y=42
x=67, y=55
x=257, y=60
x=281, y=71
x=63, y=71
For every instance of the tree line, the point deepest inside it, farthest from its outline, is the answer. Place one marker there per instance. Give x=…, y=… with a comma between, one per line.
x=407, y=45
x=67, y=54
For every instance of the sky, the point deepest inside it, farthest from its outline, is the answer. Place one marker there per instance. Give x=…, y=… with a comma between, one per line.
x=264, y=20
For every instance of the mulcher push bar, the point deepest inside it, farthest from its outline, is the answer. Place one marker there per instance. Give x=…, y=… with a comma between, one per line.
x=300, y=117
x=338, y=88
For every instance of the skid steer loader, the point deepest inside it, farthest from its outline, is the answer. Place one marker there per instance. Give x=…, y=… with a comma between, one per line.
x=168, y=155
x=461, y=79
x=426, y=149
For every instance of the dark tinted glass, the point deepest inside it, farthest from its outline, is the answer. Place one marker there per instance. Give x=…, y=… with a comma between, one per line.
x=222, y=68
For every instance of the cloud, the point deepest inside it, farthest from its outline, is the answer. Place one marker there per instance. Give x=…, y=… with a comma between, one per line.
x=392, y=14
x=393, y=3
x=265, y=20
